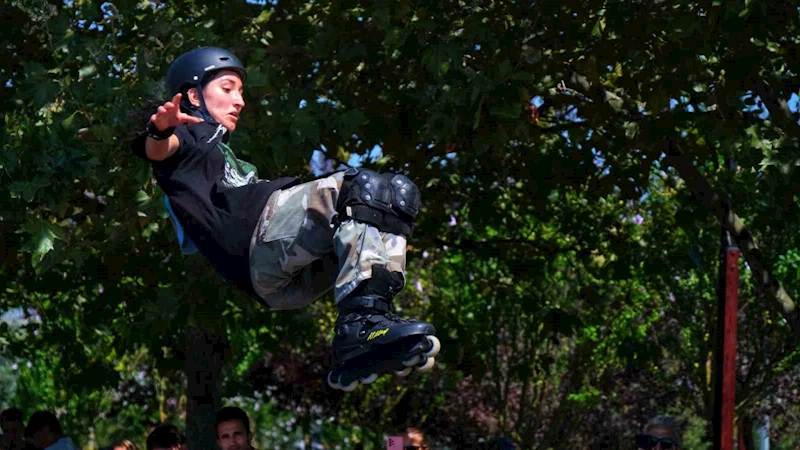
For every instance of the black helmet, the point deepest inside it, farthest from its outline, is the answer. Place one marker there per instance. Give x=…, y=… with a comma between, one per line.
x=194, y=68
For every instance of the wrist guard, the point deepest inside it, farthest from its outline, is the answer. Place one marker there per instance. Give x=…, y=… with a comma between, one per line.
x=156, y=134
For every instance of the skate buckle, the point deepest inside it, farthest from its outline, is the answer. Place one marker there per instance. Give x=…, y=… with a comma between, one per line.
x=366, y=302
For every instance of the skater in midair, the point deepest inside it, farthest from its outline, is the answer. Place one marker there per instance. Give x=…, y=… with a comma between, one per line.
x=283, y=242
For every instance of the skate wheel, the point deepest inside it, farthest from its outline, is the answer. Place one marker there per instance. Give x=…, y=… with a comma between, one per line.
x=428, y=366
x=435, y=346
x=411, y=362
x=350, y=387
x=333, y=384
x=403, y=373
x=370, y=379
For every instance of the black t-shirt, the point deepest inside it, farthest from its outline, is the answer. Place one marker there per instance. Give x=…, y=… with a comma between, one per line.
x=217, y=198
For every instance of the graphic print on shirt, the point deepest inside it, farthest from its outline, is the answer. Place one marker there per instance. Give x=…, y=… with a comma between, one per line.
x=237, y=173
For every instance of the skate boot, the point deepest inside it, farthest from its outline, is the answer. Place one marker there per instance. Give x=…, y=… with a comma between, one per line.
x=371, y=341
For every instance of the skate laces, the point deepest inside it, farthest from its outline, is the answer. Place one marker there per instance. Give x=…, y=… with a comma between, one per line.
x=368, y=314
x=392, y=314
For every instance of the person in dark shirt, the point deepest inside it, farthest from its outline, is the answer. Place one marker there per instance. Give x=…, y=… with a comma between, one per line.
x=13, y=427
x=283, y=242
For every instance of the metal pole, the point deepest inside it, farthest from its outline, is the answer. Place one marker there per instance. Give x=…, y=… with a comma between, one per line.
x=763, y=435
x=727, y=321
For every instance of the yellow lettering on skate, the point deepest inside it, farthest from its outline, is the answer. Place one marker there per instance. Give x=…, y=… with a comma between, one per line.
x=377, y=333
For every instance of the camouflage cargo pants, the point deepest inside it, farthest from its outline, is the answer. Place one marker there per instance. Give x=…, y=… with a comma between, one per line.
x=297, y=254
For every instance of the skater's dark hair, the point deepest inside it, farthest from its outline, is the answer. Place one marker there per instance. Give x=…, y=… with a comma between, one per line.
x=41, y=419
x=165, y=436
x=229, y=413
x=11, y=415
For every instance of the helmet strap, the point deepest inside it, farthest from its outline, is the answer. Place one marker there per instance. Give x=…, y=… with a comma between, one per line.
x=204, y=114
x=201, y=111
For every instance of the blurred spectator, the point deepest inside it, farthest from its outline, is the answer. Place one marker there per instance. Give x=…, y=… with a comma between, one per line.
x=501, y=443
x=660, y=433
x=413, y=439
x=124, y=445
x=13, y=427
x=233, y=429
x=45, y=433
x=166, y=437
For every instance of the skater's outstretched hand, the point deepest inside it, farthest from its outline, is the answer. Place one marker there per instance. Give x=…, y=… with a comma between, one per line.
x=169, y=115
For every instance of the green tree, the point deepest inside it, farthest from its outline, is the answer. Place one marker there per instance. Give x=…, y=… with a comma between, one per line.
x=577, y=276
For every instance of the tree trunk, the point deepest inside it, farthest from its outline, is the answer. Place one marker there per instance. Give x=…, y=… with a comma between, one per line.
x=745, y=433
x=207, y=349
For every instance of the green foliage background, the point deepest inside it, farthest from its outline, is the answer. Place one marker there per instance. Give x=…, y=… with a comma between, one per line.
x=571, y=272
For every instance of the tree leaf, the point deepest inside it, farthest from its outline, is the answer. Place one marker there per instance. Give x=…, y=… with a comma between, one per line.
x=28, y=189
x=45, y=93
x=43, y=235
x=87, y=71
x=599, y=27
x=264, y=16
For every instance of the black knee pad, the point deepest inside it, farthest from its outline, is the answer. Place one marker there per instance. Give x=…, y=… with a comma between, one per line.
x=387, y=201
x=407, y=197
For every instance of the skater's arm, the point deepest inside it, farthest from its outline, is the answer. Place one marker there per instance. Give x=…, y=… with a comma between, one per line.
x=167, y=117
x=160, y=150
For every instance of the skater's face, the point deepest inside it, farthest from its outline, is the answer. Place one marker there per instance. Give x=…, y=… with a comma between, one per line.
x=223, y=98
x=231, y=435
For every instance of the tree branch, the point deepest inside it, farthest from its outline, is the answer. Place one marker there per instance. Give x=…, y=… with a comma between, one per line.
x=564, y=127
x=471, y=244
x=702, y=189
x=778, y=108
x=599, y=95
x=744, y=239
